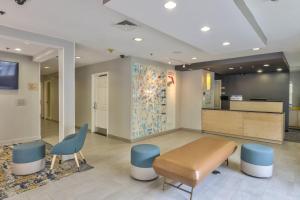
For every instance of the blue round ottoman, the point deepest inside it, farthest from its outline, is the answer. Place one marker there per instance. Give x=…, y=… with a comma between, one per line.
x=28, y=158
x=257, y=160
x=142, y=157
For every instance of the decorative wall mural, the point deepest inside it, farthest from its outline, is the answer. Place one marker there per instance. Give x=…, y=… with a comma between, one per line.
x=148, y=112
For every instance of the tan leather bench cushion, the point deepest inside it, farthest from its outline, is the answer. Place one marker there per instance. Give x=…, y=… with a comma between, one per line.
x=191, y=163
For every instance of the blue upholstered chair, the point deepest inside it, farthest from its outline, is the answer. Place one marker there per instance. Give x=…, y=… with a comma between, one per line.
x=72, y=144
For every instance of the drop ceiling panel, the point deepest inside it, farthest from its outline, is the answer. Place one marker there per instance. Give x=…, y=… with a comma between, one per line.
x=226, y=20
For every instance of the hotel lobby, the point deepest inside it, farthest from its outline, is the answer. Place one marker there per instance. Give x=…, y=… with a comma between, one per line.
x=170, y=99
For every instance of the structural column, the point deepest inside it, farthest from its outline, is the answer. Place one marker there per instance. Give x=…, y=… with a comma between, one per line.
x=66, y=90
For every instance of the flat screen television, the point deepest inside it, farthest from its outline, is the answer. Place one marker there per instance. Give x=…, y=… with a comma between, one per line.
x=9, y=75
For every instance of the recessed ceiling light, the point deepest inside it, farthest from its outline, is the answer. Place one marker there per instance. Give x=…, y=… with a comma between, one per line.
x=138, y=39
x=226, y=43
x=18, y=49
x=170, y=5
x=169, y=62
x=194, y=58
x=256, y=49
x=260, y=71
x=231, y=68
x=77, y=57
x=205, y=28
x=46, y=67
x=279, y=69
x=266, y=65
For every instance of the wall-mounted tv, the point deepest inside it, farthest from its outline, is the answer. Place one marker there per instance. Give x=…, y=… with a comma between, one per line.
x=9, y=75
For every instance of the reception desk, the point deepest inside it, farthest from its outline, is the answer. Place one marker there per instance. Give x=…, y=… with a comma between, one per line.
x=259, y=106
x=254, y=125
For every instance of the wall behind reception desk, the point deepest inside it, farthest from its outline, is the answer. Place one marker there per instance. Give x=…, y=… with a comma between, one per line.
x=272, y=86
x=295, y=80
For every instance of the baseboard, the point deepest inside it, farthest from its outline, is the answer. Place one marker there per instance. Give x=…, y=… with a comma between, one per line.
x=119, y=138
x=142, y=138
x=78, y=127
x=19, y=140
x=191, y=130
x=154, y=135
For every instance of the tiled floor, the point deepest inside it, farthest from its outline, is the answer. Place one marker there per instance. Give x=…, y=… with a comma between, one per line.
x=110, y=179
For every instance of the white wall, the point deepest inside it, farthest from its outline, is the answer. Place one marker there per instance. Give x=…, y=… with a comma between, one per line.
x=119, y=95
x=20, y=123
x=191, y=99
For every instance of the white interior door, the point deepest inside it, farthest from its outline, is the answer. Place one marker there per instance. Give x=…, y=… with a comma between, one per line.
x=101, y=104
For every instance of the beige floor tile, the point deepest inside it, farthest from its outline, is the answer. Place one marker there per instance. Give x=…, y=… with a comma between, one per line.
x=110, y=179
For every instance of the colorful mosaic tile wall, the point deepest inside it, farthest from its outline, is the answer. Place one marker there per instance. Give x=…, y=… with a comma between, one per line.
x=148, y=111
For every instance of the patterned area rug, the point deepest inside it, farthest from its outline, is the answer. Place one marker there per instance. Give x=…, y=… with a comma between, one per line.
x=11, y=185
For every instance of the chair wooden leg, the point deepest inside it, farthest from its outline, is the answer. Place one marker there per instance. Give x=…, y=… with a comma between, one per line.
x=53, y=162
x=82, y=156
x=77, y=162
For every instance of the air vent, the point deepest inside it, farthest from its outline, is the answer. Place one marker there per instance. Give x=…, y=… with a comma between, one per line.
x=126, y=25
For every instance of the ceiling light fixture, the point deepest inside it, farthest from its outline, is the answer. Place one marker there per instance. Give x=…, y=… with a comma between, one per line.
x=77, y=57
x=231, y=68
x=18, y=49
x=260, y=71
x=138, y=39
x=205, y=28
x=279, y=69
x=169, y=62
x=194, y=58
x=170, y=5
x=46, y=67
x=266, y=65
x=226, y=43
x=256, y=49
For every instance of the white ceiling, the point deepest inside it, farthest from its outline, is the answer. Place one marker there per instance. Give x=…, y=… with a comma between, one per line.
x=186, y=20
x=280, y=22
x=28, y=49
x=91, y=26
x=87, y=56
x=49, y=66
